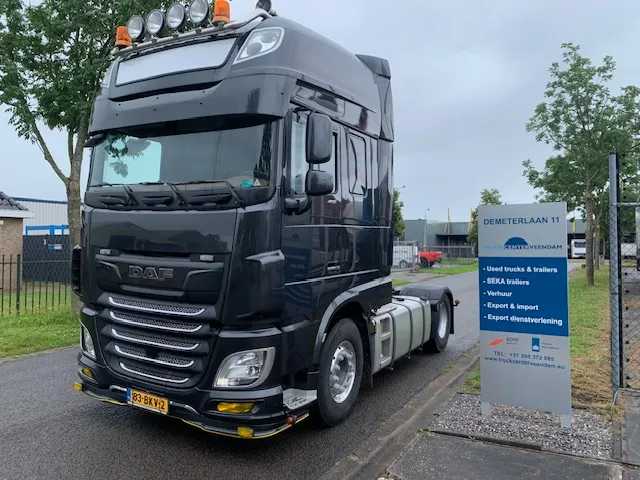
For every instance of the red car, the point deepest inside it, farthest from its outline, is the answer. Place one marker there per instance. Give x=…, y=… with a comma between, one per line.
x=428, y=259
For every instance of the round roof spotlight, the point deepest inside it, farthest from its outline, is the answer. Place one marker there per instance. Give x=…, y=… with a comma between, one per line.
x=176, y=15
x=155, y=22
x=198, y=12
x=264, y=5
x=135, y=26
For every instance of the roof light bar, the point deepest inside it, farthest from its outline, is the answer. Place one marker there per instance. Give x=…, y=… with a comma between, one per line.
x=135, y=26
x=199, y=12
x=155, y=22
x=176, y=16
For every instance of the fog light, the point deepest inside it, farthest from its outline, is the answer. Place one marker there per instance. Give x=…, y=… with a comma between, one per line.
x=235, y=408
x=87, y=372
x=245, y=432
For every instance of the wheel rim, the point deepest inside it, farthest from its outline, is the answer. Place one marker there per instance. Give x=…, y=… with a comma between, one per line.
x=342, y=374
x=443, y=320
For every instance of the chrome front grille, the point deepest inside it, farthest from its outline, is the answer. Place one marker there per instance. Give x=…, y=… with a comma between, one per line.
x=161, y=324
x=156, y=342
x=161, y=308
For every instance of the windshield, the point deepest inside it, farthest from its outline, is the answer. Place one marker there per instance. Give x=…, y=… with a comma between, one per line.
x=582, y=244
x=240, y=156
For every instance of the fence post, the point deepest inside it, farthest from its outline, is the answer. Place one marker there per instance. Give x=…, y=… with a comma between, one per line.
x=18, y=282
x=615, y=278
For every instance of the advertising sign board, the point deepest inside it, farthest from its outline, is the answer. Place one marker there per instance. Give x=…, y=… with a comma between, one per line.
x=524, y=315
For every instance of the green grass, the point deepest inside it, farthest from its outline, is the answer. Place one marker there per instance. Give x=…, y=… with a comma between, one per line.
x=30, y=333
x=590, y=358
x=453, y=267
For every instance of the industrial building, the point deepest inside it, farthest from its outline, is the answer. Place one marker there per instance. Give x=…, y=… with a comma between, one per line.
x=49, y=216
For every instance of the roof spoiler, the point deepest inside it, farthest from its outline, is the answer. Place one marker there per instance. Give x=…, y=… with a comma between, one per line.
x=379, y=66
x=382, y=70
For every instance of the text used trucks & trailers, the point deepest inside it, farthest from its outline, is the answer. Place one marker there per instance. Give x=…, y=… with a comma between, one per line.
x=236, y=234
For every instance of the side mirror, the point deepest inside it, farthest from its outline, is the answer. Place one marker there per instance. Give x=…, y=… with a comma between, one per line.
x=319, y=183
x=318, y=139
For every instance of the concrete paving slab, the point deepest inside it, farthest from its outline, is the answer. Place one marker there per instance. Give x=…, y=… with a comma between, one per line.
x=439, y=457
x=631, y=429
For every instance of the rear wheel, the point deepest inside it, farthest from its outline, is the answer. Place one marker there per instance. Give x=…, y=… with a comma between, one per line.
x=440, y=325
x=341, y=362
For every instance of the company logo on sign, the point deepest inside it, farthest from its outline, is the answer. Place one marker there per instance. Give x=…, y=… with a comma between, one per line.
x=535, y=344
x=516, y=243
x=496, y=342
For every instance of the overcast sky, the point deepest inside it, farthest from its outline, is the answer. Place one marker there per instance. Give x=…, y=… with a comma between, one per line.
x=466, y=77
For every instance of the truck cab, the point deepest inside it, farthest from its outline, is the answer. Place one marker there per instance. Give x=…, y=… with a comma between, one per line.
x=236, y=232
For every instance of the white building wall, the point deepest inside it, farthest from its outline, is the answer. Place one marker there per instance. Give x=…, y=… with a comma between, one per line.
x=46, y=212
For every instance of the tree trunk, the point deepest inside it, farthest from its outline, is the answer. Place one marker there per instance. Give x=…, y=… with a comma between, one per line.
x=596, y=243
x=590, y=233
x=74, y=204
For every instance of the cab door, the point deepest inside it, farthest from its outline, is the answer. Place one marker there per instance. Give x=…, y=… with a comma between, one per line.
x=308, y=236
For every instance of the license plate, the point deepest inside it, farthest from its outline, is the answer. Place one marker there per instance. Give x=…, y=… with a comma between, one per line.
x=148, y=401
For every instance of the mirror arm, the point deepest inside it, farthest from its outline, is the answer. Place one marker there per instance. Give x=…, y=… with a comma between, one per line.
x=297, y=206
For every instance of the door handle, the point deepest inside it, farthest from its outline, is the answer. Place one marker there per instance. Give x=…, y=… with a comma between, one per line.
x=333, y=269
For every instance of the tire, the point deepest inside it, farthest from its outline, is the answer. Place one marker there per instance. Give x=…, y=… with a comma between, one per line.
x=334, y=404
x=440, y=325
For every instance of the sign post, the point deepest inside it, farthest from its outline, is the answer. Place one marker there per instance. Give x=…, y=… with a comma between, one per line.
x=524, y=314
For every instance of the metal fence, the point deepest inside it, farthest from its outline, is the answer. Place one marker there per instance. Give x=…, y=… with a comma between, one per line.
x=405, y=255
x=39, y=280
x=624, y=234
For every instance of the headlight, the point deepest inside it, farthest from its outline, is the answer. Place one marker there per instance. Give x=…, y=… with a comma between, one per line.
x=155, y=22
x=261, y=42
x=245, y=369
x=175, y=16
x=86, y=343
x=135, y=25
x=198, y=11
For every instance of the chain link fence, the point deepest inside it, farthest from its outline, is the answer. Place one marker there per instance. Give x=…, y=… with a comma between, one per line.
x=39, y=280
x=624, y=234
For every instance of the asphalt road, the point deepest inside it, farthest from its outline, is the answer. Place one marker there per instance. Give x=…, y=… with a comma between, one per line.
x=48, y=431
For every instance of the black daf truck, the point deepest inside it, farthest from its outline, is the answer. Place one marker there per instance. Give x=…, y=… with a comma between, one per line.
x=234, y=267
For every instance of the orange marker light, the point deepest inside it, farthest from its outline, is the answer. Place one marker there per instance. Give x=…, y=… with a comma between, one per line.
x=123, y=40
x=221, y=12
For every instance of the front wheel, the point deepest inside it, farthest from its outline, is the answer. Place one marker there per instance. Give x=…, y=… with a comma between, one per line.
x=341, y=362
x=440, y=325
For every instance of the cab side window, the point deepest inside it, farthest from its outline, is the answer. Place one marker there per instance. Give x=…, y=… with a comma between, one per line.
x=357, y=160
x=298, y=166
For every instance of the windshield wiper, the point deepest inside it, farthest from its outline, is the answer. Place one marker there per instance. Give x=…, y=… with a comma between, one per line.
x=230, y=187
x=171, y=186
x=106, y=184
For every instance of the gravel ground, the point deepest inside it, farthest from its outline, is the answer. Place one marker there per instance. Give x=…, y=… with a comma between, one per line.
x=590, y=435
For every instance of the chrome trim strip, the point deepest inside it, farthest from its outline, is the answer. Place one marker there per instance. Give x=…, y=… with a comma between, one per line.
x=153, y=377
x=154, y=310
x=154, y=327
x=189, y=408
x=329, y=277
x=154, y=344
x=331, y=225
x=117, y=388
x=152, y=360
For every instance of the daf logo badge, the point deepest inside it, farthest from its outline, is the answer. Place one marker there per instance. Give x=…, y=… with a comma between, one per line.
x=150, y=273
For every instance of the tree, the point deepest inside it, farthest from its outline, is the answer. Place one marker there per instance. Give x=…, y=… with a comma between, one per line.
x=398, y=220
x=52, y=58
x=488, y=196
x=583, y=121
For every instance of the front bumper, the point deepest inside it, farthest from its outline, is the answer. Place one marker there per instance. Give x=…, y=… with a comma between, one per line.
x=197, y=407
